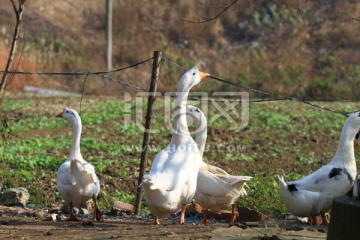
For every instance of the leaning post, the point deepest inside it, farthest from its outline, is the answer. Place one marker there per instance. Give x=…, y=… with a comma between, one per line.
x=146, y=138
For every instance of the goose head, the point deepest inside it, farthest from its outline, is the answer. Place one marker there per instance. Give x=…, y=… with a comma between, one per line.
x=191, y=78
x=70, y=115
x=196, y=117
x=354, y=121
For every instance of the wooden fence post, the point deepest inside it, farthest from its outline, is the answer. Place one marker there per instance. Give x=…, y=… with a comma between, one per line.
x=146, y=139
x=108, y=34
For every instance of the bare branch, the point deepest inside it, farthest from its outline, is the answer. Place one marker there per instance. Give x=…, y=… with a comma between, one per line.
x=17, y=67
x=225, y=8
x=18, y=13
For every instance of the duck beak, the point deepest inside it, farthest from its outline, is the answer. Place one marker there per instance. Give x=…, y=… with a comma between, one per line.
x=60, y=115
x=203, y=75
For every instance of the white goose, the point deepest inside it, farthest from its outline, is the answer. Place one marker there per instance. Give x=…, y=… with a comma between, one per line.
x=171, y=182
x=76, y=179
x=355, y=188
x=313, y=195
x=216, y=189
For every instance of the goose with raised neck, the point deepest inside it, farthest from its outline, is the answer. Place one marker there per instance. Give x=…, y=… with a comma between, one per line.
x=171, y=182
x=76, y=179
x=216, y=189
x=312, y=195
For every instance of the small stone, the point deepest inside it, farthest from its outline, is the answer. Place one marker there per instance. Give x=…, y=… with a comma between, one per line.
x=14, y=197
x=49, y=233
x=247, y=214
x=119, y=208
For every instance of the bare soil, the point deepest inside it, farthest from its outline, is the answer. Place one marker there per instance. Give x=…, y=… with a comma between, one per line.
x=32, y=228
x=15, y=227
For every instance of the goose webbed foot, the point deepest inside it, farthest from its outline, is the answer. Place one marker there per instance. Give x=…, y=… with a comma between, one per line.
x=233, y=215
x=156, y=221
x=205, y=217
x=97, y=213
x=182, y=215
x=72, y=216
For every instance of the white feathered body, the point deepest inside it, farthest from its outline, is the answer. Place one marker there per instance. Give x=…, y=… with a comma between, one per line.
x=313, y=194
x=77, y=181
x=172, y=179
x=216, y=189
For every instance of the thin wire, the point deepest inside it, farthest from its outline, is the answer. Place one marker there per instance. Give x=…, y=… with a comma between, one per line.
x=101, y=74
x=278, y=98
x=77, y=73
x=165, y=59
x=122, y=83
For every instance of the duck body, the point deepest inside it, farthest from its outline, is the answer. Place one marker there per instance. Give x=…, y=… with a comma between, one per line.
x=171, y=182
x=77, y=181
x=313, y=195
x=76, y=178
x=216, y=189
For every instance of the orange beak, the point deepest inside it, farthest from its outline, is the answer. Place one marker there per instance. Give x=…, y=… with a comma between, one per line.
x=203, y=75
x=60, y=115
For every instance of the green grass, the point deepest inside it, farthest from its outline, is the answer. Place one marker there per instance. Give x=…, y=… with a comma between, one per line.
x=285, y=138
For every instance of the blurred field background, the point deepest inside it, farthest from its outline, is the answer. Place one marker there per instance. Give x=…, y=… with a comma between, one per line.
x=309, y=49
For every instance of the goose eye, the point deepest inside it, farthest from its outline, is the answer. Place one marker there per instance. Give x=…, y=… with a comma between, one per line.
x=67, y=111
x=193, y=73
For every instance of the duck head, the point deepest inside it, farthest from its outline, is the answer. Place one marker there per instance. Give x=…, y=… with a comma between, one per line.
x=194, y=116
x=68, y=114
x=352, y=126
x=191, y=78
x=354, y=120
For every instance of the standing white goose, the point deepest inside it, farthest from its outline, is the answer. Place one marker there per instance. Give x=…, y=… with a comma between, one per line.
x=313, y=195
x=76, y=179
x=216, y=189
x=171, y=182
x=355, y=188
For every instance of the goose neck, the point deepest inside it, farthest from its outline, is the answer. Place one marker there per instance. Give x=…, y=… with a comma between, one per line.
x=75, y=144
x=180, y=125
x=200, y=139
x=345, y=151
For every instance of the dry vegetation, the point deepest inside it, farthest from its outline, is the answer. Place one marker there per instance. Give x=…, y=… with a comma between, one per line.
x=308, y=50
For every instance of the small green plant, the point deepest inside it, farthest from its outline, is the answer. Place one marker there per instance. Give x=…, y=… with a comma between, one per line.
x=5, y=131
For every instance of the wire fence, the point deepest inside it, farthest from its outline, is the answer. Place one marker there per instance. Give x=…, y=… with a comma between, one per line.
x=268, y=97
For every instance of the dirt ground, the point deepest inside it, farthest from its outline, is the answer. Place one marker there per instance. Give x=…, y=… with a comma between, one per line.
x=32, y=228
x=20, y=227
